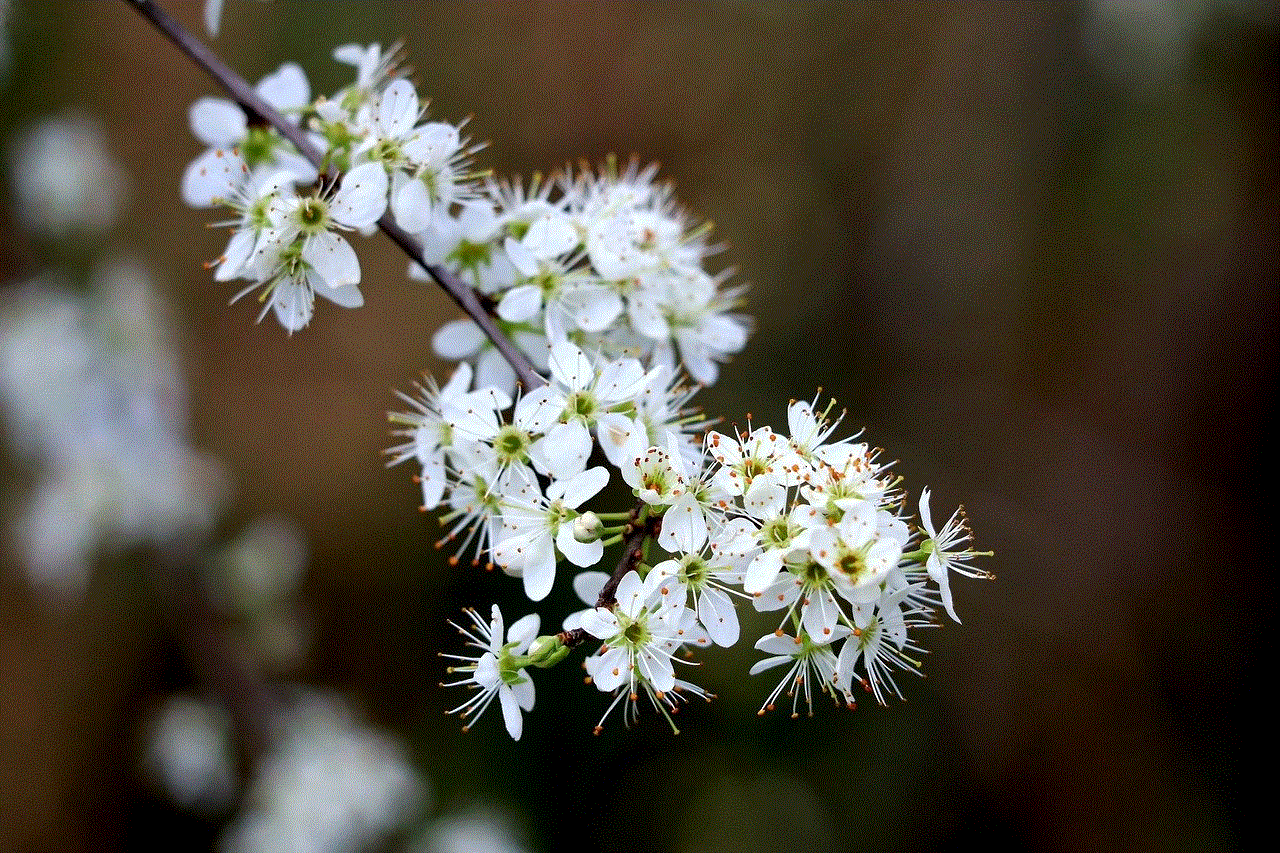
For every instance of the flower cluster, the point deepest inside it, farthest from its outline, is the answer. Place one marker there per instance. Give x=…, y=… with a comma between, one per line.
x=802, y=525
x=600, y=281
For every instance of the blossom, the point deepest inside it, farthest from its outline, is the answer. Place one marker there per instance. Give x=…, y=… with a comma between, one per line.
x=944, y=552
x=534, y=527
x=812, y=665
x=429, y=434
x=641, y=633
x=298, y=255
x=498, y=671
x=221, y=125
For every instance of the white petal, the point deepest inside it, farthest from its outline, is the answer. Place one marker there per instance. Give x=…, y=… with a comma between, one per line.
x=550, y=236
x=398, y=109
x=234, y=257
x=292, y=304
x=596, y=309
x=332, y=258
x=762, y=571
x=493, y=369
x=581, y=554
x=588, y=586
x=363, y=196
x=656, y=668
x=212, y=16
x=820, y=615
x=510, y=712
x=613, y=669
x=570, y=366
x=433, y=483
x=285, y=89
x=540, y=568
x=581, y=487
x=684, y=527
x=599, y=623
x=769, y=663
x=622, y=380
x=566, y=449
x=347, y=295
x=521, y=258
x=523, y=631
x=411, y=205
x=539, y=409
x=615, y=432
x=938, y=571
x=457, y=340
x=520, y=303
x=433, y=144
x=718, y=615
x=217, y=122
x=212, y=177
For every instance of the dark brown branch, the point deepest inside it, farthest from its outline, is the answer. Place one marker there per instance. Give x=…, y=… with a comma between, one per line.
x=632, y=553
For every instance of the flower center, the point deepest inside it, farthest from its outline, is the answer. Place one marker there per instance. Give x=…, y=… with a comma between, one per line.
x=313, y=214
x=635, y=634
x=511, y=443
x=257, y=147
x=776, y=533
x=695, y=571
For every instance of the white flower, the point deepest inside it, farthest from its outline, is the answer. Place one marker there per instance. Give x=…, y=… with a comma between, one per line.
x=534, y=527
x=659, y=477
x=881, y=642
x=944, y=552
x=497, y=671
x=190, y=753
x=221, y=125
x=641, y=633
x=758, y=453
x=855, y=554
x=812, y=665
x=711, y=584
x=298, y=255
x=429, y=434
x=328, y=784
x=65, y=179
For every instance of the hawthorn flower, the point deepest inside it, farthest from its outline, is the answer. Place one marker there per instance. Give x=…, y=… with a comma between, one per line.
x=429, y=435
x=498, y=671
x=535, y=527
x=812, y=665
x=944, y=552
x=298, y=255
x=710, y=583
x=881, y=642
x=221, y=125
x=659, y=477
x=641, y=633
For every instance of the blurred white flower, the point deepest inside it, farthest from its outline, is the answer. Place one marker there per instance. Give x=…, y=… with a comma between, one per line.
x=479, y=828
x=91, y=394
x=64, y=179
x=190, y=753
x=330, y=785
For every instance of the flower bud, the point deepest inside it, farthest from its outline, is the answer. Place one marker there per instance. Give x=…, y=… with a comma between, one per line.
x=587, y=527
x=546, y=651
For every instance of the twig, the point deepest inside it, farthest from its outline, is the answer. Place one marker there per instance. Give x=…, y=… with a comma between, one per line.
x=258, y=109
x=466, y=297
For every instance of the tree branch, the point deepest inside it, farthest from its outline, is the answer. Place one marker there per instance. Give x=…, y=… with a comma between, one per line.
x=258, y=109
x=466, y=297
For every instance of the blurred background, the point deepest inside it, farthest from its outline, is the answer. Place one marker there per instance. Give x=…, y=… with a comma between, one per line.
x=1031, y=248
